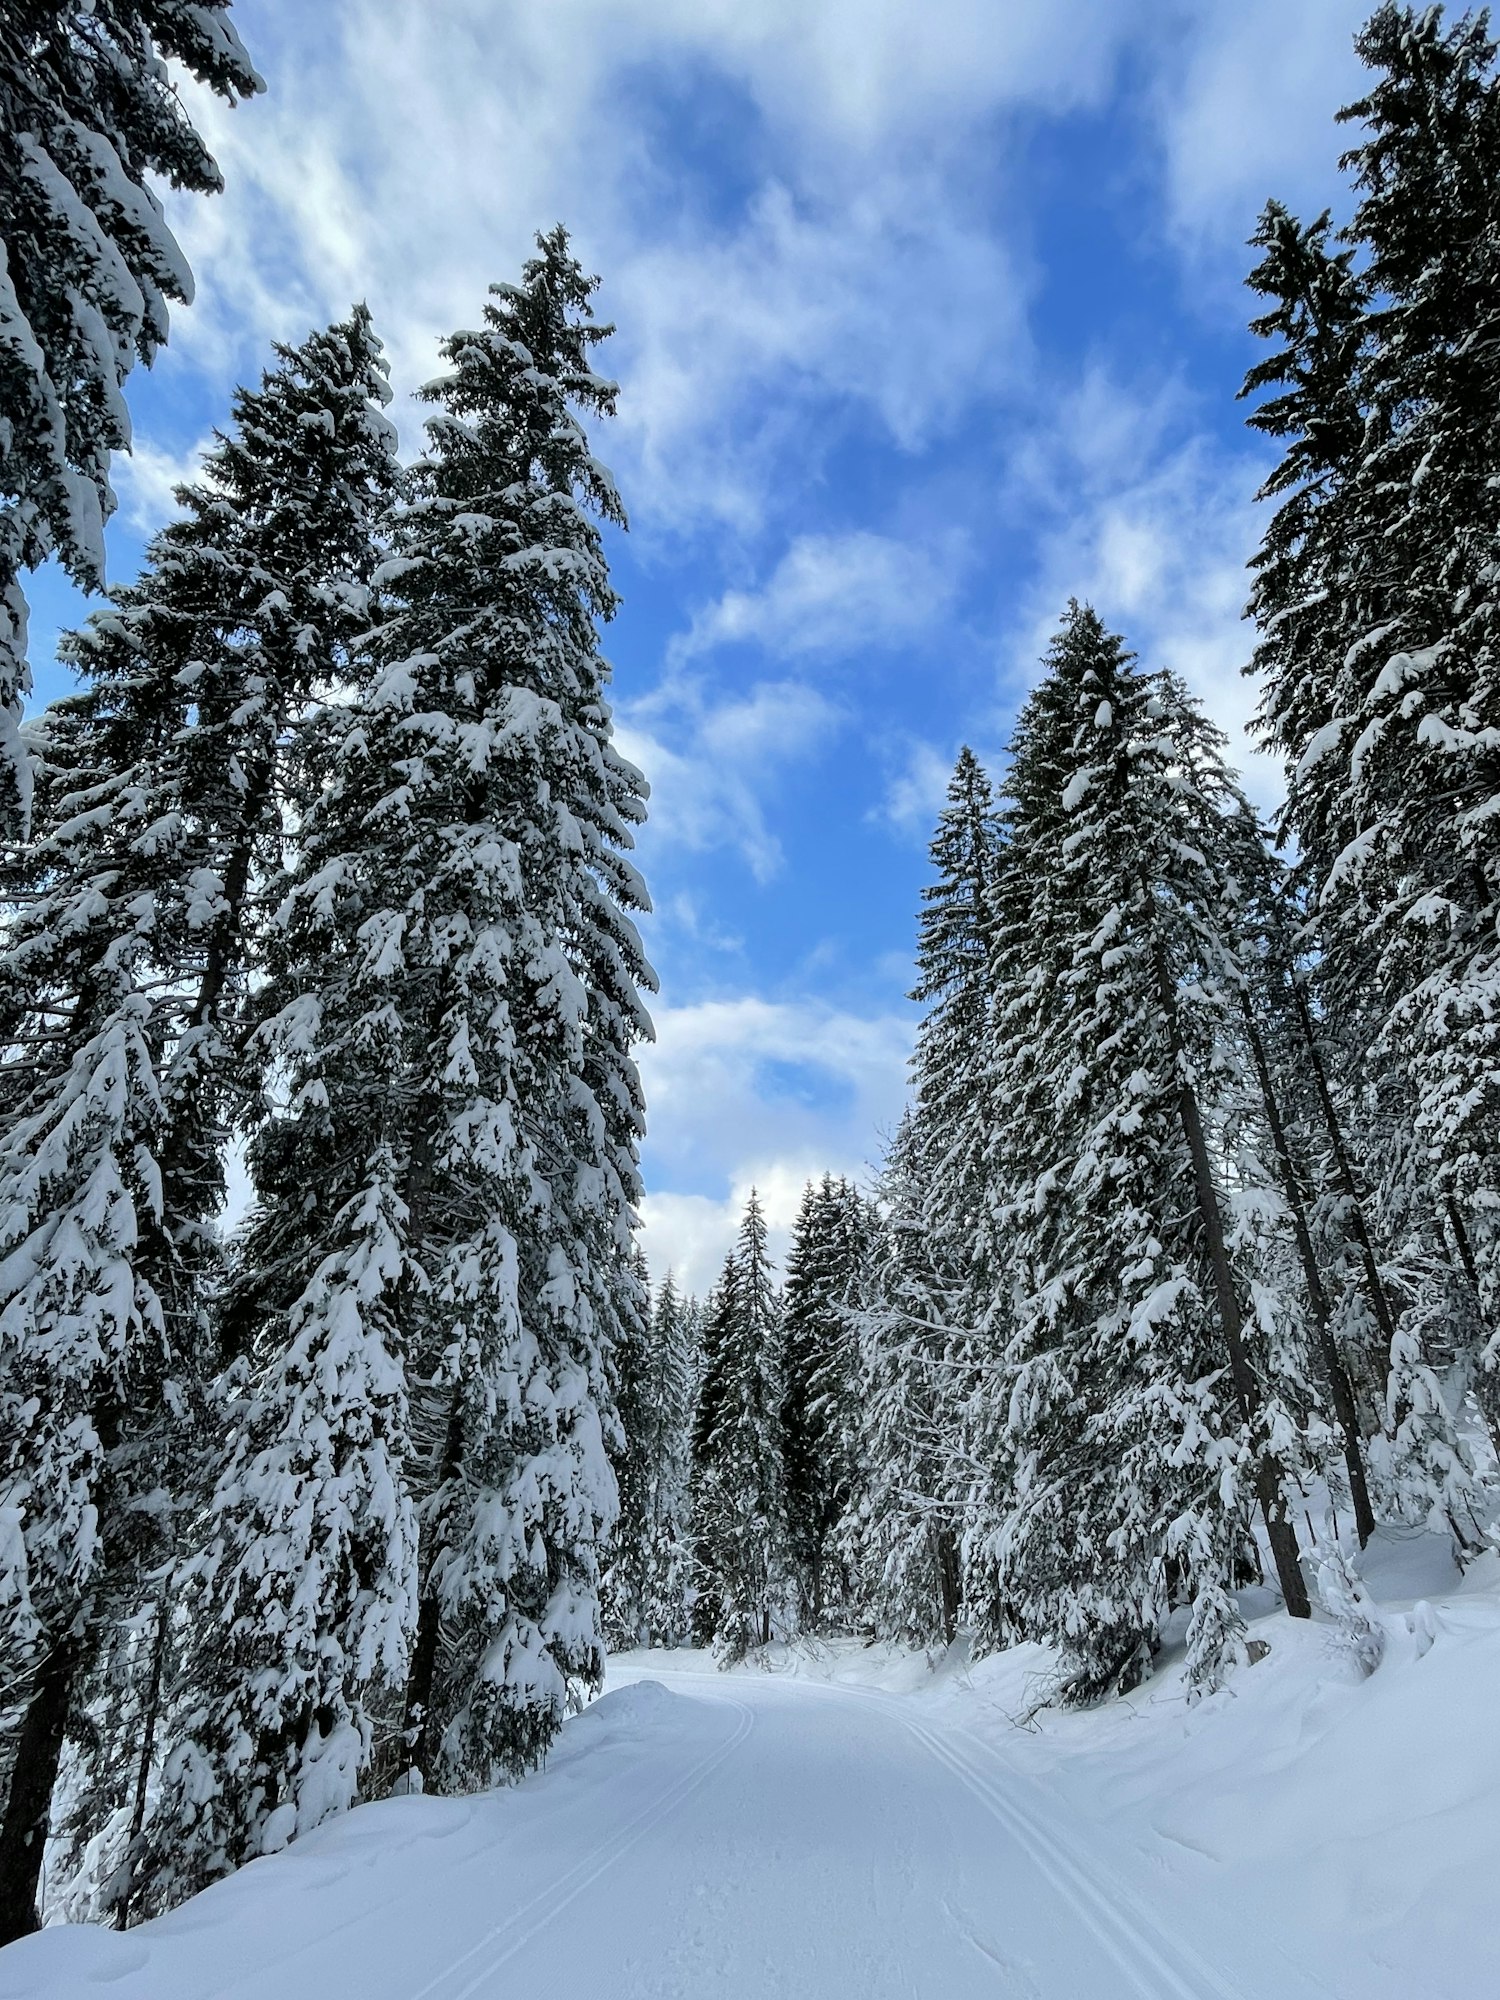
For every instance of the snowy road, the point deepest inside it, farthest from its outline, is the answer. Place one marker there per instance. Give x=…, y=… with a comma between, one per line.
x=714, y=1838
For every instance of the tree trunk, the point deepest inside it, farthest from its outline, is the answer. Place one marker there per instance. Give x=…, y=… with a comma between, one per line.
x=947, y=1569
x=417, y=1722
x=1380, y=1305
x=1341, y=1389
x=1269, y=1474
x=150, y=1716
x=24, y=1829
x=1465, y=1251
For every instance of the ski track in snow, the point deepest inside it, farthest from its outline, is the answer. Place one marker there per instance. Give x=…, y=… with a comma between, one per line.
x=544, y=1909
x=1156, y=1964
x=768, y=1837
x=1144, y=1956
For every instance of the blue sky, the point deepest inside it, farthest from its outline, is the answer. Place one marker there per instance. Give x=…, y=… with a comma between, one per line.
x=930, y=315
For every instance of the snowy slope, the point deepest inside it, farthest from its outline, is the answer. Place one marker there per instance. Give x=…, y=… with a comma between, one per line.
x=856, y=1825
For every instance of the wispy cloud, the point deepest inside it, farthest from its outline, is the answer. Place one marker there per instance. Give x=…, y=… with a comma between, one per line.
x=146, y=479
x=862, y=269
x=1236, y=127
x=715, y=763
x=835, y=595
x=1146, y=515
x=748, y=1090
x=916, y=791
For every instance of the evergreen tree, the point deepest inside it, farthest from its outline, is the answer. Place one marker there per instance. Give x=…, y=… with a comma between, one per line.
x=303, y=1601
x=949, y=1070
x=89, y=111
x=1375, y=601
x=1158, y=1364
x=625, y=1583
x=511, y=890
x=903, y=1531
x=738, y=1478
x=823, y=1267
x=130, y=945
x=669, y=1401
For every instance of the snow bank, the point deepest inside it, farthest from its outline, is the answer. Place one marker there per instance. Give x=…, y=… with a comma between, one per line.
x=315, y=1922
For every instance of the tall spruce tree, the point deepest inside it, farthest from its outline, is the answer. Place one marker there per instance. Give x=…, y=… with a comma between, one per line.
x=129, y=951
x=649, y=1572
x=87, y=269
x=1375, y=600
x=952, y=1122
x=823, y=1269
x=902, y=1535
x=513, y=814
x=405, y=1547
x=625, y=1584
x=738, y=1468
x=302, y=1602
x=1158, y=1370
x=669, y=1402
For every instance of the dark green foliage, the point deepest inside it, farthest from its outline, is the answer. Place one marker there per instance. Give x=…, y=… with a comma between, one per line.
x=825, y=1267
x=738, y=1469
x=88, y=112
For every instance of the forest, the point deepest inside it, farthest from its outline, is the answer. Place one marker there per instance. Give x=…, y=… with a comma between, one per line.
x=1181, y=1274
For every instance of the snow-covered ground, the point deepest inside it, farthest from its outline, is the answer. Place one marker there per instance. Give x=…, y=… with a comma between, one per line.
x=854, y=1824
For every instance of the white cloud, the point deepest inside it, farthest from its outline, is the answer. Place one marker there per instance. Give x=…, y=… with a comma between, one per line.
x=1247, y=111
x=875, y=76
x=713, y=764
x=918, y=790
x=1153, y=523
x=146, y=479
x=886, y=298
x=407, y=154
x=836, y=594
x=748, y=1091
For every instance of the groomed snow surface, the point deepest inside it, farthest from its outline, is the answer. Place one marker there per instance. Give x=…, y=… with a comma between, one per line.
x=851, y=1823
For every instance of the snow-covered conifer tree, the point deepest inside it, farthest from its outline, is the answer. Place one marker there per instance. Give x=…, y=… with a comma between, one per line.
x=509, y=832
x=624, y=1585
x=1376, y=604
x=302, y=1603
x=824, y=1267
x=949, y=1071
x=672, y=1368
x=129, y=951
x=738, y=1471
x=902, y=1533
x=1158, y=1371
x=87, y=270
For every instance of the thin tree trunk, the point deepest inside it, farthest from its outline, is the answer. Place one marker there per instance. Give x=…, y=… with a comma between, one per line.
x=947, y=1569
x=150, y=1716
x=24, y=1829
x=1341, y=1389
x=1380, y=1305
x=1463, y=1246
x=1269, y=1474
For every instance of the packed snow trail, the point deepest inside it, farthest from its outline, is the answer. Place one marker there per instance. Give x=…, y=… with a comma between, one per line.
x=717, y=1839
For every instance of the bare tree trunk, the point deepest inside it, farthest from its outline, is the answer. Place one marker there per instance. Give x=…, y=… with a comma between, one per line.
x=1465, y=1251
x=1344, y=1179
x=946, y=1551
x=1341, y=1389
x=151, y=1714
x=1269, y=1473
x=28, y=1808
